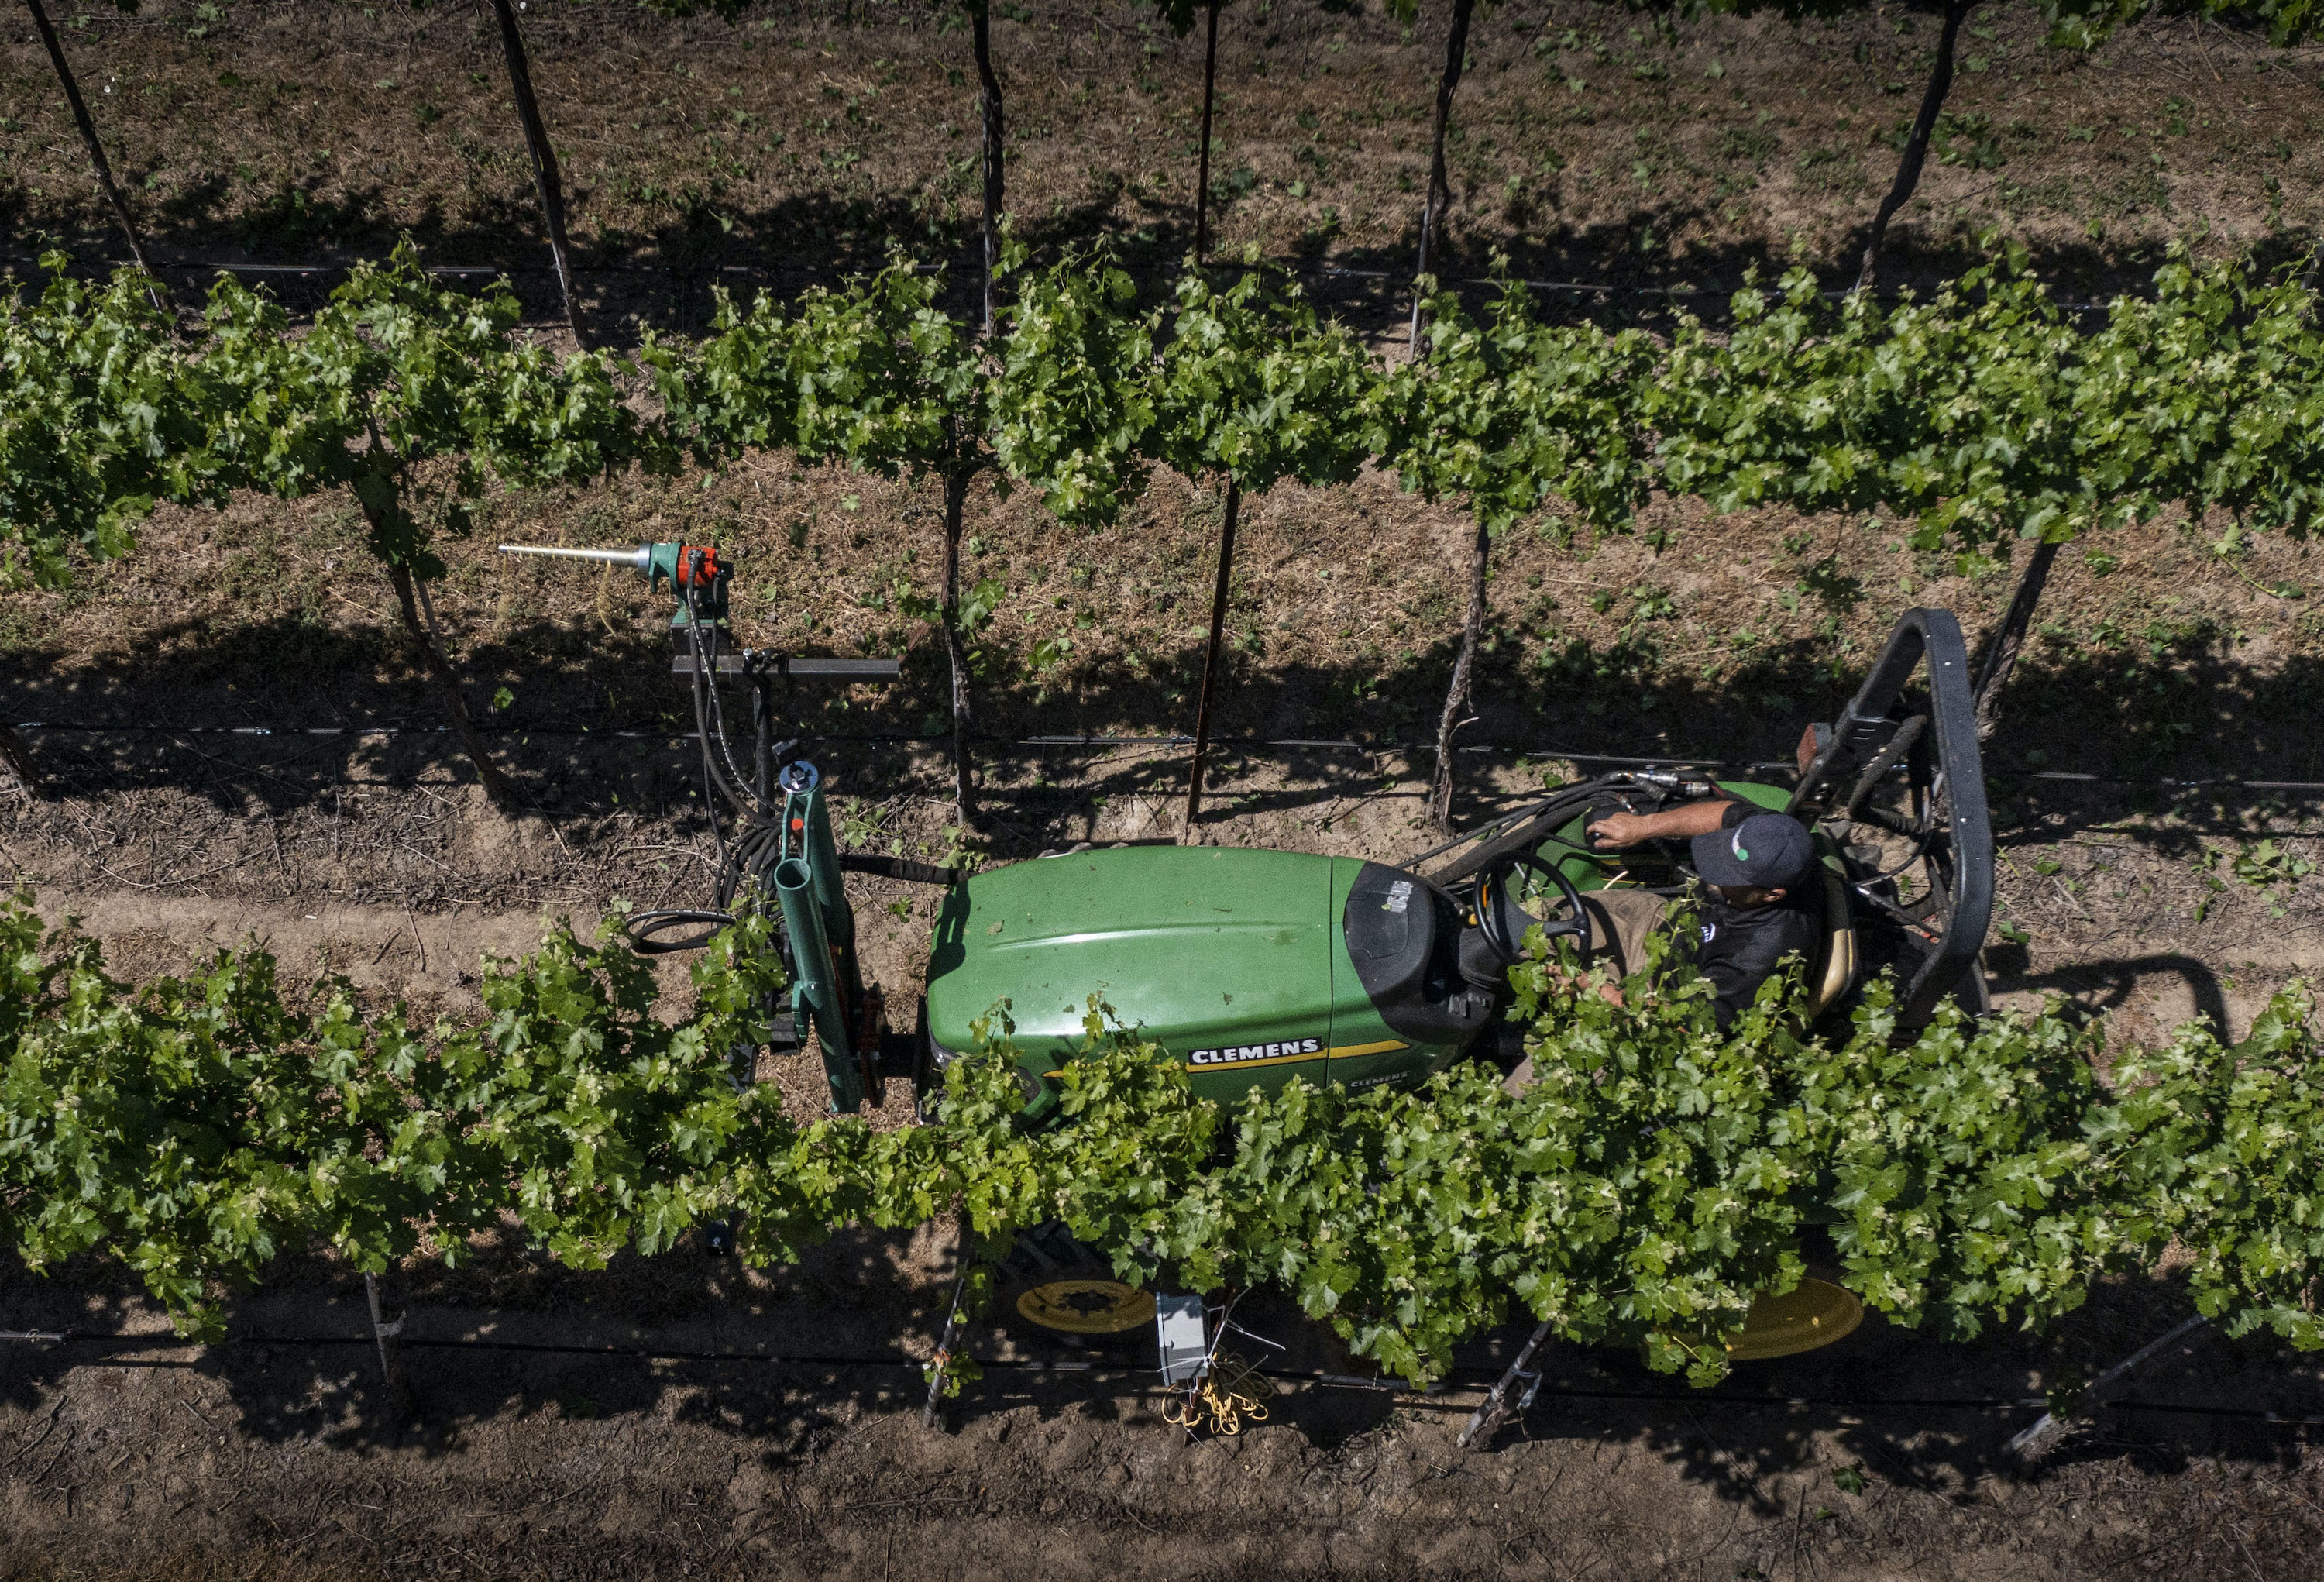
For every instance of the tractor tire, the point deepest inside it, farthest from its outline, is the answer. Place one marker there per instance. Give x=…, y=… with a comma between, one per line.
x=1053, y=1289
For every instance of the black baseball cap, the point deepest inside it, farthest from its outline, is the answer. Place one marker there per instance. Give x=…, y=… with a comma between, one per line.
x=1773, y=851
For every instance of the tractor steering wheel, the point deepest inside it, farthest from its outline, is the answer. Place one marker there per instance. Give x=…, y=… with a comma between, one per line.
x=1504, y=922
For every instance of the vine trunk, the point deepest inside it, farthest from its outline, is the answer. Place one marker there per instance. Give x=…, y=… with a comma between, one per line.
x=1210, y=657
x=981, y=38
x=545, y=176
x=2001, y=651
x=940, y=1369
x=1456, y=700
x=1203, y=171
x=955, y=486
x=1916, y=146
x=1440, y=186
x=439, y=674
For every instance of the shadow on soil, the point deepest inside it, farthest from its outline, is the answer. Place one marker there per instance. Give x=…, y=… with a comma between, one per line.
x=662, y=278
x=2191, y=710
x=847, y=1325
x=2186, y=708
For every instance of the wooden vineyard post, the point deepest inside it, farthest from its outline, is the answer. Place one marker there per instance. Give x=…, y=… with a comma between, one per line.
x=1464, y=665
x=955, y=490
x=1505, y=1400
x=97, y=163
x=2031, y=1445
x=544, y=158
x=940, y=1369
x=1210, y=658
x=17, y=753
x=1202, y=169
x=1240, y=364
x=989, y=85
x=384, y=1334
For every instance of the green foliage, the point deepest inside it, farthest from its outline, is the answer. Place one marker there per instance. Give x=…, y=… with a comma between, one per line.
x=884, y=382
x=2211, y=395
x=199, y=1127
x=2289, y=21
x=95, y=421
x=1664, y=1197
x=1254, y=385
x=2233, y=1145
x=396, y=370
x=161, y=1125
x=1649, y=1186
x=737, y=391
x=1179, y=14
x=1962, y=1165
x=1507, y=413
x=1988, y=416
x=1073, y=406
x=608, y=1126
x=1986, y=412
x=1957, y=411
x=875, y=376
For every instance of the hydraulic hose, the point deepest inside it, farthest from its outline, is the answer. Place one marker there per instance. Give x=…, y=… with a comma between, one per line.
x=757, y=841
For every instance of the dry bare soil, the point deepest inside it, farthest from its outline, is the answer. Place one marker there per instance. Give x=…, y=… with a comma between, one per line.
x=1590, y=146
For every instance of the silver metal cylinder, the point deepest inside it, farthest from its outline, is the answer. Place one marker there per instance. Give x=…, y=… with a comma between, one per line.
x=637, y=559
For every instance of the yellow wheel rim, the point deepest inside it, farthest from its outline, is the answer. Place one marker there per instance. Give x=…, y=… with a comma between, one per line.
x=1815, y=1314
x=1085, y=1305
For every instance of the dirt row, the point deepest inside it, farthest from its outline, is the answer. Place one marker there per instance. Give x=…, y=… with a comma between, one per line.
x=681, y=1417
x=1590, y=142
x=2139, y=882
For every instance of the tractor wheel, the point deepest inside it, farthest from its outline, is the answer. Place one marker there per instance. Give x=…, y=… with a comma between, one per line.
x=1051, y=1287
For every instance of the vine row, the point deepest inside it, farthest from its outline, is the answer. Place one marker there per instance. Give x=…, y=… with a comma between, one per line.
x=1657, y=1176
x=1986, y=415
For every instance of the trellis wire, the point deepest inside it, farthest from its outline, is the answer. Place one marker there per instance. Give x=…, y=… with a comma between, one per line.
x=1244, y=743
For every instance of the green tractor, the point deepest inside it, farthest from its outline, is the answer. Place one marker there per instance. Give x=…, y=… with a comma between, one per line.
x=1257, y=966
x=1254, y=967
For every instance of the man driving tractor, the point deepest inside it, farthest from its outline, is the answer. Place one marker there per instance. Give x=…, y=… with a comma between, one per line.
x=1760, y=906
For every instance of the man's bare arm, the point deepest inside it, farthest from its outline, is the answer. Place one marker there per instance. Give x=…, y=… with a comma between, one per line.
x=1620, y=829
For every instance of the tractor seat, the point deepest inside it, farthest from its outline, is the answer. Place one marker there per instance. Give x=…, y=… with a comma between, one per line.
x=1834, y=969
x=1402, y=936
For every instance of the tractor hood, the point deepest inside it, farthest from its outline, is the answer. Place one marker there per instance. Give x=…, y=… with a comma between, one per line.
x=1221, y=955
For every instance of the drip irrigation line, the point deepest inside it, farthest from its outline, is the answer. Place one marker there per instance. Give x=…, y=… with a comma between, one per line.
x=242, y=267
x=2300, y=785
x=1306, y=744
x=2238, y=1414
x=1706, y=290
x=1469, y=1378
x=567, y=732
x=1477, y=1377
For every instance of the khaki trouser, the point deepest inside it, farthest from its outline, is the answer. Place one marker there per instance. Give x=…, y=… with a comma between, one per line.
x=1620, y=922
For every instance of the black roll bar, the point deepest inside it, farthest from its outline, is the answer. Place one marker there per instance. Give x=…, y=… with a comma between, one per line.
x=1864, y=731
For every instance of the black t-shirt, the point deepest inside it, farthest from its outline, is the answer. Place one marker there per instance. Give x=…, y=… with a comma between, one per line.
x=1738, y=947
